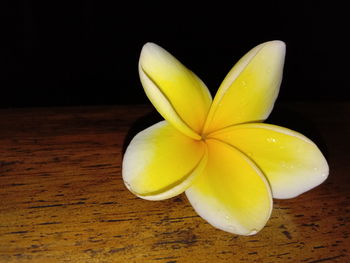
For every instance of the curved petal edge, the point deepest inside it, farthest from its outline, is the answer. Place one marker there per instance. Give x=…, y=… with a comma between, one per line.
x=232, y=194
x=173, y=90
x=292, y=163
x=160, y=162
x=249, y=91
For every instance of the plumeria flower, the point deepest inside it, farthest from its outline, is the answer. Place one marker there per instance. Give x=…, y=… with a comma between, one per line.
x=229, y=163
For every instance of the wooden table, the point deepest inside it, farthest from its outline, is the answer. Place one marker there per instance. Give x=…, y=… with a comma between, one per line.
x=62, y=198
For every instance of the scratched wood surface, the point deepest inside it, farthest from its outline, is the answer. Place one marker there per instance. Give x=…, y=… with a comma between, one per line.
x=62, y=198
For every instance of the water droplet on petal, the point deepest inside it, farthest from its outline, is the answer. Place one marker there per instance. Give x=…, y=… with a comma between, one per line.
x=271, y=139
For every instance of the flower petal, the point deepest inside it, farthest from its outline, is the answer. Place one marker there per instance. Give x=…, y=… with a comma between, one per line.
x=160, y=162
x=291, y=162
x=176, y=92
x=250, y=89
x=232, y=194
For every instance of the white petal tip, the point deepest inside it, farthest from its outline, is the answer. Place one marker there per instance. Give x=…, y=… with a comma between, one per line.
x=150, y=48
x=238, y=230
x=149, y=45
x=278, y=44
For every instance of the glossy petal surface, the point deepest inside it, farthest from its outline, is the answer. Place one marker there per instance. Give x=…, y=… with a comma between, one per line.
x=250, y=89
x=232, y=194
x=292, y=163
x=160, y=162
x=177, y=93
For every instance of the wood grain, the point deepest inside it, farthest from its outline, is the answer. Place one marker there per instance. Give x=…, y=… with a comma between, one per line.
x=62, y=198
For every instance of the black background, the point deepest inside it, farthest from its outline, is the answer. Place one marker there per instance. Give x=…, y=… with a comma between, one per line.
x=86, y=53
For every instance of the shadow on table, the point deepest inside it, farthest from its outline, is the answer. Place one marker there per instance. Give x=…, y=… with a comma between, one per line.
x=140, y=124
